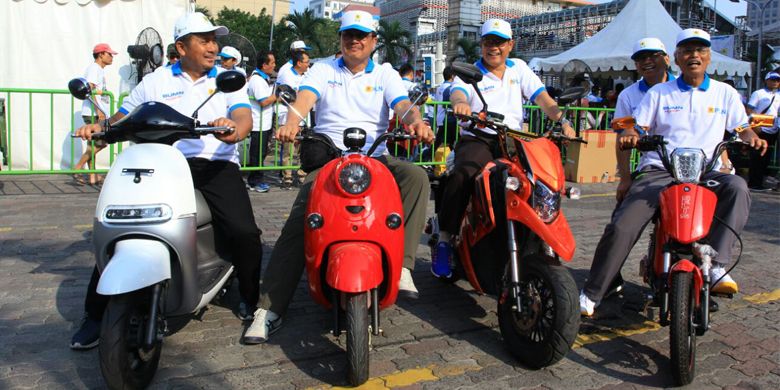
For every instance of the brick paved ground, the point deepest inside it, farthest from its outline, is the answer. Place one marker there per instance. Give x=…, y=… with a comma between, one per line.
x=447, y=339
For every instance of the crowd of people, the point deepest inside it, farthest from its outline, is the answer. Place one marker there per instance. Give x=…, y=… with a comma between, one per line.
x=351, y=89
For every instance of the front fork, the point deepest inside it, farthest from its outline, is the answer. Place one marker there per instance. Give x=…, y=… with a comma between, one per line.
x=514, y=264
x=155, y=327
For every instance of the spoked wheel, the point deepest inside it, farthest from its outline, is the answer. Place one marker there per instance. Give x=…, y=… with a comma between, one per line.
x=357, y=338
x=545, y=330
x=124, y=361
x=682, y=332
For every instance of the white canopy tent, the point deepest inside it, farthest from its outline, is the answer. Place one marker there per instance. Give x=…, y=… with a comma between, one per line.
x=48, y=42
x=611, y=48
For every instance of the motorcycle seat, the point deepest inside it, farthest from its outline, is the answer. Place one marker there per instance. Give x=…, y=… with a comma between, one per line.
x=202, y=211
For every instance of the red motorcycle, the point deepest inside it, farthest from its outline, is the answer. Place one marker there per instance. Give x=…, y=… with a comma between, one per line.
x=514, y=234
x=354, y=243
x=677, y=266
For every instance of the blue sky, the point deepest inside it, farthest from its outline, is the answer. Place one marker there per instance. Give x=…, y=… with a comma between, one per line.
x=726, y=7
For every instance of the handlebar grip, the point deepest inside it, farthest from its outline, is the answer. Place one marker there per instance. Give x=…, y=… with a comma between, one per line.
x=214, y=129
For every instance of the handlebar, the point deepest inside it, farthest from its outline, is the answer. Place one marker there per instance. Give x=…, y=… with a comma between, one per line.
x=484, y=121
x=214, y=129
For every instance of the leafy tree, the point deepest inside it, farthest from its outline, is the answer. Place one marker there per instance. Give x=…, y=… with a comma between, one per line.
x=469, y=50
x=204, y=11
x=392, y=40
x=304, y=26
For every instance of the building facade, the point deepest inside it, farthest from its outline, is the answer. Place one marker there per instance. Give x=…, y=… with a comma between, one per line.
x=330, y=9
x=254, y=7
x=771, y=14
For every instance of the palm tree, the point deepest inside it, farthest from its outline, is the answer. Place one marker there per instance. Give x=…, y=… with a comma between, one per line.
x=392, y=38
x=304, y=27
x=469, y=50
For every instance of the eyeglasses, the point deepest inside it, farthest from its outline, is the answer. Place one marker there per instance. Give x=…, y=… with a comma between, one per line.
x=651, y=55
x=686, y=51
x=493, y=42
x=354, y=34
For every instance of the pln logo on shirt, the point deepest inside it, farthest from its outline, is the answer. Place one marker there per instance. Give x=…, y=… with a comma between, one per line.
x=375, y=88
x=716, y=110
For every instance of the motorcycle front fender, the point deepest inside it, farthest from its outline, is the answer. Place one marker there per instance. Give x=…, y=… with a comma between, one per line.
x=686, y=265
x=354, y=266
x=135, y=264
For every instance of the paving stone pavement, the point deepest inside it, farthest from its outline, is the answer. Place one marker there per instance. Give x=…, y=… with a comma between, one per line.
x=448, y=339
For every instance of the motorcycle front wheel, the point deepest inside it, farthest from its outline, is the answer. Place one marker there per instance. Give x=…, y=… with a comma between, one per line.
x=357, y=338
x=124, y=361
x=682, y=332
x=545, y=331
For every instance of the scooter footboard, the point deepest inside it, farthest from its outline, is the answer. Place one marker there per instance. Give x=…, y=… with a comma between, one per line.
x=136, y=263
x=354, y=266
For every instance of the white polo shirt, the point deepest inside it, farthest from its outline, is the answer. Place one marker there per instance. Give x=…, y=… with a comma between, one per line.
x=360, y=100
x=629, y=98
x=762, y=100
x=176, y=89
x=258, y=90
x=292, y=78
x=95, y=74
x=689, y=117
x=504, y=96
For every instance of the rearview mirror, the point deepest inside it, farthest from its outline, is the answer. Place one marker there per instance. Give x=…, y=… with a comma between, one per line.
x=572, y=94
x=469, y=73
x=79, y=88
x=418, y=95
x=286, y=94
x=623, y=123
x=230, y=81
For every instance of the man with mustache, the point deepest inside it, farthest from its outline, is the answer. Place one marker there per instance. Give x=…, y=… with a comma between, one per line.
x=691, y=111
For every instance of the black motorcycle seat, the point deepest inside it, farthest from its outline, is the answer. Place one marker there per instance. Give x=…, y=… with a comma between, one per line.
x=202, y=211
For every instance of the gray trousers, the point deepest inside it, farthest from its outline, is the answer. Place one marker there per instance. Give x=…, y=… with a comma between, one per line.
x=636, y=211
x=288, y=260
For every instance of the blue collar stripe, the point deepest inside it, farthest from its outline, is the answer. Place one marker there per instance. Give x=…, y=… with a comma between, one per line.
x=643, y=87
x=262, y=74
x=293, y=70
x=369, y=67
x=481, y=66
x=176, y=70
x=705, y=85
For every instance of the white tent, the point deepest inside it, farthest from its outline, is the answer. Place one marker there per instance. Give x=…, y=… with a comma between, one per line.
x=611, y=48
x=48, y=42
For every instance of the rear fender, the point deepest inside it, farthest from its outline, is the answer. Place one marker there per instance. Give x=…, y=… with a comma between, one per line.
x=136, y=263
x=686, y=265
x=354, y=266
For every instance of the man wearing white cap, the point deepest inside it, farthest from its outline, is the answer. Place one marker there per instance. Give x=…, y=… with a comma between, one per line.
x=295, y=47
x=506, y=85
x=350, y=91
x=213, y=159
x=691, y=111
x=231, y=59
x=764, y=101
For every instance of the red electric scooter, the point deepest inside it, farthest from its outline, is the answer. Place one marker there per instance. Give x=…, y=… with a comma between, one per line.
x=513, y=235
x=354, y=240
x=677, y=266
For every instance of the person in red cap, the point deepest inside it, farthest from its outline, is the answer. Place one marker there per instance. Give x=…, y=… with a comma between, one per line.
x=96, y=76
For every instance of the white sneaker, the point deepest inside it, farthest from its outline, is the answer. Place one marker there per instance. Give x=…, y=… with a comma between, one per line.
x=587, y=307
x=264, y=325
x=406, y=287
x=722, y=283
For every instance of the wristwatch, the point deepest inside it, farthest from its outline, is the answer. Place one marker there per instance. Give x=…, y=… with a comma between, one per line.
x=564, y=121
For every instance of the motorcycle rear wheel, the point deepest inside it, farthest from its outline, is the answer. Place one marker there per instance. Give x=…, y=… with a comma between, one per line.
x=682, y=333
x=124, y=362
x=547, y=333
x=357, y=338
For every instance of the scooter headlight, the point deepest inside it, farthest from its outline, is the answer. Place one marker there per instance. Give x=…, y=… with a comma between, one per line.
x=546, y=203
x=354, y=178
x=138, y=214
x=688, y=164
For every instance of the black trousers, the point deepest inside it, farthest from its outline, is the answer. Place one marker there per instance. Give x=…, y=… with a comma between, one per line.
x=232, y=217
x=258, y=142
x=471, y=154
x=759, y=163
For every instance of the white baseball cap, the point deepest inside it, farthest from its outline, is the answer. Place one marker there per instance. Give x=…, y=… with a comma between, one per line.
x=358, y=20
x=693, y=34
x=230, y=52
x=497, y=27
x=196, y=22
x=772, y=75
x=299, y=45
x=648, y=44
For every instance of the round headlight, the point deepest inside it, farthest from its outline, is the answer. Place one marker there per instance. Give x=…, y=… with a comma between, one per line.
x=354, y=178
x=546, y=202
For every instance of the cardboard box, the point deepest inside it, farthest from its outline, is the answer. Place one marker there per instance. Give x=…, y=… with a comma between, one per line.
x=594, y=162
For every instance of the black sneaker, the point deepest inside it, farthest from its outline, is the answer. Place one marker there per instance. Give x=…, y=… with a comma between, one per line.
x=88, y=335
x=616, y=287
x=246, y=312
